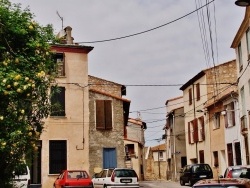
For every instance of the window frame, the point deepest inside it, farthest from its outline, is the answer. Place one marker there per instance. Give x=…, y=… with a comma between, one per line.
x=57, y=164
x=58, y=98
x=216, y=120
x=60, y=63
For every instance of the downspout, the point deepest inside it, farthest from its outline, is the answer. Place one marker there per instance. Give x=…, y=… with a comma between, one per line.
x=174, y=136
x=83, y=140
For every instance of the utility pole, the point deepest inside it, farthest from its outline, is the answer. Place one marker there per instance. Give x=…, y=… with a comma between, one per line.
x=159, y=165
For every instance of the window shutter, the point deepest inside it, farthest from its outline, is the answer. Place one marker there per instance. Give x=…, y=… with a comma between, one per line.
x=195, y=127
x=190, y=96
x=100, y=115
x=233, y=113
x=202, y=127
x=226, y=117
x=198, y=96
x=108, y=114
x=189, y=133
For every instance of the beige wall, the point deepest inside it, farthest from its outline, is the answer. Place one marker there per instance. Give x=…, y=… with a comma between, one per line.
x=190, y=114
x=74, y=126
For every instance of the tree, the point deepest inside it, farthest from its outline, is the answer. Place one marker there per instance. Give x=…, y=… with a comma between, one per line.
x=26, y=67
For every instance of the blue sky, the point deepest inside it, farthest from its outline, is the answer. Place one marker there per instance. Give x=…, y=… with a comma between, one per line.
x=169, y=55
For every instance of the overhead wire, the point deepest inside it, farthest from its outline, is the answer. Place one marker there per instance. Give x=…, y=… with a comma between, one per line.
x=146, y=31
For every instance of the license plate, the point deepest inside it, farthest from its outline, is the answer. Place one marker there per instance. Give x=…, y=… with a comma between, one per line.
x=203, y=176
x=126, y=180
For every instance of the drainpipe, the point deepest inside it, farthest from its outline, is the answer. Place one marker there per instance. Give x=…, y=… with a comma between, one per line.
x=174, y=147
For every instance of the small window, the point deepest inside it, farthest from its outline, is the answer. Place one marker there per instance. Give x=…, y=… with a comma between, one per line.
x=240, y=57
x=230, y=115
x=198, y=95
x=104, y=114
x=216, y=159
x=216, y=120
x=57, y=101
x=57, y=156
x=60, y=64
x=190, y=96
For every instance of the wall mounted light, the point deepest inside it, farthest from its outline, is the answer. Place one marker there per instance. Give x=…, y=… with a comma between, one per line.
x=242, y=3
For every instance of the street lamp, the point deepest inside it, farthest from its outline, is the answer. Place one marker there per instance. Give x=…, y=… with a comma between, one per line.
x=242, y=3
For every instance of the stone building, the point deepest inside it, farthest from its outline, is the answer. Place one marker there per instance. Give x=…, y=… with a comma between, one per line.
x=155, y=162
x=108, y=116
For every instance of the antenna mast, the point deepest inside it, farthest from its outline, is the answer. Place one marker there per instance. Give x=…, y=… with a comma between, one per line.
x=60, y=17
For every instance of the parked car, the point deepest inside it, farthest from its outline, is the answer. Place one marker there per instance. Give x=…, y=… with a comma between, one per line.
x=117, y=177
x=21, y=176
x=239, y=171
x=194, y=172
x=73, y=179
x=223, y=183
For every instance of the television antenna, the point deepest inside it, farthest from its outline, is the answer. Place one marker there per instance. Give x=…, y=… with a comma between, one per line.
x=60, y=18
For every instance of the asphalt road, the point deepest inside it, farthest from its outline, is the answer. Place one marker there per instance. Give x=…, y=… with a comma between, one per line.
x=161, y=184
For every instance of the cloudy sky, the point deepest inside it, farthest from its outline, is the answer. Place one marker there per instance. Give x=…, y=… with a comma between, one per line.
x=151, y=46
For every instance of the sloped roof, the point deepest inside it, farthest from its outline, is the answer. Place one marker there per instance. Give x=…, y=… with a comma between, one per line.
x=161, y=147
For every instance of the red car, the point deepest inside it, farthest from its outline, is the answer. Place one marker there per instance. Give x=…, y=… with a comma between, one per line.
x=73, y=179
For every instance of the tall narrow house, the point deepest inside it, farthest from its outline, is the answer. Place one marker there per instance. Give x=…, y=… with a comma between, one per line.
x=64, y=143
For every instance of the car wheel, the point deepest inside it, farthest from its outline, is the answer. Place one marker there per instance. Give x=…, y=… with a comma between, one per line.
x=182, y=182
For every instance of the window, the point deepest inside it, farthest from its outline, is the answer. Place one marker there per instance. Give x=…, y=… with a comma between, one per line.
x=201, y=128
x=160, y=153
x=190, y=96
x=57, y=101
x=217, y=120
x=230, y=154
x=104, y=114
x=240, y=57
x=237, y=153
x=230, y=115
x=198, y=95
x=193, y=131
x=216, y=159
x=60, y=64
x=242, y=96
x=57, y=156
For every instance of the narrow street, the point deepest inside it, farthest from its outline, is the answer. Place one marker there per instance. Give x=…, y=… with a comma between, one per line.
x=161, y=184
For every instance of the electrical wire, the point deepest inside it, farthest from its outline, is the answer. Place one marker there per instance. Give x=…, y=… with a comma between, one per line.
x=146, y=31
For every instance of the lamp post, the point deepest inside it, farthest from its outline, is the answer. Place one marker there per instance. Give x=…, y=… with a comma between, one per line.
x=242, y=3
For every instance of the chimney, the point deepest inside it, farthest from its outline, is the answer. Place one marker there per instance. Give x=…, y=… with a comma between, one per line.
x=69, y=38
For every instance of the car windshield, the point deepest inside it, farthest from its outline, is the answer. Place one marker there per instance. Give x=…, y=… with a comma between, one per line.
x=200, y=167
x=77, y=175
x=125, y=173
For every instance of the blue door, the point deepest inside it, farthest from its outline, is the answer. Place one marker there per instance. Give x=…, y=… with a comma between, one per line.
x=109, y=158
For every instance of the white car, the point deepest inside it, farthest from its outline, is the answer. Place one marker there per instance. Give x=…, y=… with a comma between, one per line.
x=117, y=177
x=21, y=176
